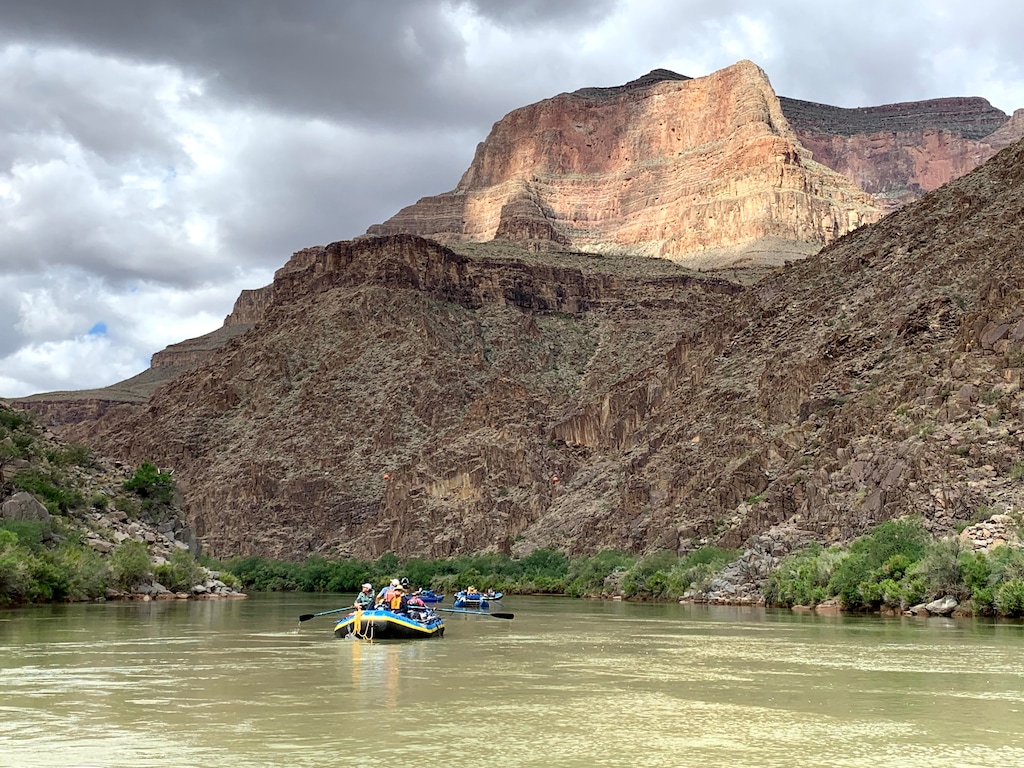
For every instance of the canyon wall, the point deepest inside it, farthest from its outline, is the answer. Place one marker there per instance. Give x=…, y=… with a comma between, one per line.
x=666, y=167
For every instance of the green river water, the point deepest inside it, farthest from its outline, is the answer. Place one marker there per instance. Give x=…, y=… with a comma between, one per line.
x=566, y=683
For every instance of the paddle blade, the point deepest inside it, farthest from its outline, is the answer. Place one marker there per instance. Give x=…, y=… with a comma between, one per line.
x=502, y=615
x=307, y=616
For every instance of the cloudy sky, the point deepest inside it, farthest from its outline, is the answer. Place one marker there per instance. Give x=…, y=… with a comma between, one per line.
x=156, y=158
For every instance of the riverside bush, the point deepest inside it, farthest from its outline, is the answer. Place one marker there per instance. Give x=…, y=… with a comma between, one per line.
x=803, y=578
x=916, y=569
x=543, y=571
x=181, y=572
x=884, y=553
x=589, y=575
x=130, y=564
x=31, y=573
x=1009, y=598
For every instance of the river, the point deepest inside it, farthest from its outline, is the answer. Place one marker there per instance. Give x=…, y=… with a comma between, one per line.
x=566, y=683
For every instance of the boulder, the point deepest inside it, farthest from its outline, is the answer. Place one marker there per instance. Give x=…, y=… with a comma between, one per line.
x=943, y=606
x=23, y=506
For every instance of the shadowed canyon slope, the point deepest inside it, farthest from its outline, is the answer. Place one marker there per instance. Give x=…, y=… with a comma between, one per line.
x=878, y=378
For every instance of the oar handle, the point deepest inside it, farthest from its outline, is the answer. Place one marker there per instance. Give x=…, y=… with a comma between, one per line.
x=308, y=616
x=478, y=613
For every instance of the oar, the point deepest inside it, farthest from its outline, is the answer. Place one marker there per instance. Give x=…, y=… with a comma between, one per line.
x=308, y=616
x=478, y=613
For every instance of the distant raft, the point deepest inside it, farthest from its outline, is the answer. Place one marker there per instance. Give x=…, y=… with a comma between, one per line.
x=380, y=624
x=428, y=596
x=479, y=600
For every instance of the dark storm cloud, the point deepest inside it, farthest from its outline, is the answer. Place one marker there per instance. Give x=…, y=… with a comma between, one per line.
x=531, y=14
x=358, y=61
x=333, y=186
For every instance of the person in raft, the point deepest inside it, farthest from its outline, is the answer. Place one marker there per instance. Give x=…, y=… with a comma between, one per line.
x=364, y=600
x=386, y=593
x=399, y=601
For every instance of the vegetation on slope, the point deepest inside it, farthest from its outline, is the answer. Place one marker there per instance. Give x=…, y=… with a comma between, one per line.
x=66, y=548
x=899, y=565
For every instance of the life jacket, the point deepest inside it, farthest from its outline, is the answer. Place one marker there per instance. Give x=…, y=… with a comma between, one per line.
x=396, y=601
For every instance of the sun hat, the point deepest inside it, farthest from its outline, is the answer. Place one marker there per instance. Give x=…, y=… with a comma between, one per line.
x=367, y=586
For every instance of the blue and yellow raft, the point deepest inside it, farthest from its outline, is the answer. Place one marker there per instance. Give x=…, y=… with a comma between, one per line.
x=381, y=624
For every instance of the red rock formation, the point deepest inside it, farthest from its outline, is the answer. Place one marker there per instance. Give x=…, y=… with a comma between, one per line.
x=898, y=152
x=660, y=167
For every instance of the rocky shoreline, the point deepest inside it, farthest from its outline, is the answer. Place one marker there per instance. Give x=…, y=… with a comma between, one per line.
x=742, y=581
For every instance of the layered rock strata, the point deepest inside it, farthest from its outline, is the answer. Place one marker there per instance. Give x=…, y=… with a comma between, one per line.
x=898, y=152
x=665, y=166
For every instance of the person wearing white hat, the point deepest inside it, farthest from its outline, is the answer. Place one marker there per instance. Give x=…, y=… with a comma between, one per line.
x=364, y=599
x=387, y=592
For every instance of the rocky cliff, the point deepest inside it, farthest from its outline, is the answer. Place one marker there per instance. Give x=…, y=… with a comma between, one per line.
x=400, y=395
x=665, y=166
x=715, y=170
x=898, y=152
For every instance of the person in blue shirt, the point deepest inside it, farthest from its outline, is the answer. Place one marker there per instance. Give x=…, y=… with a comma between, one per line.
x=386, y=593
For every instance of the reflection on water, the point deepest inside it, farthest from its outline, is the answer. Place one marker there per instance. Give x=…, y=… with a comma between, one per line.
x=567, y=683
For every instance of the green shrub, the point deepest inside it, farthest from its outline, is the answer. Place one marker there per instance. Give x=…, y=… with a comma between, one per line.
x=802, y=578
x=544, y=562
x=14, y=575
x=941, y=569
x=588, y=575
x=130, y=564
x=871, y=559
x=12, y=420
x=127, y=505
x=73, y=456
x=1009, y=598
x=647, y=578
x=57, y=497
x=156, y=488
x=87, y=572
x=1007, y=563
x=28, y=534
x=181, y=572
x=48, y=581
